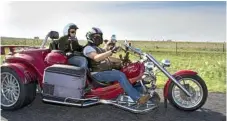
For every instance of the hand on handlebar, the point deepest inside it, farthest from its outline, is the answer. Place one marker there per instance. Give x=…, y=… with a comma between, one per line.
x=115, y=49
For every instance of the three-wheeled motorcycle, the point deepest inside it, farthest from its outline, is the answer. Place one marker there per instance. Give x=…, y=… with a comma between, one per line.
x=61, y=83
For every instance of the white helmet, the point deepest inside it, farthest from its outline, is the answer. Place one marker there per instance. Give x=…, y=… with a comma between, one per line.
x=68, y=27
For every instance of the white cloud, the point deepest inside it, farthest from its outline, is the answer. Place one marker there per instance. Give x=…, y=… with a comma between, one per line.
x=29, y=19
x=4, y=15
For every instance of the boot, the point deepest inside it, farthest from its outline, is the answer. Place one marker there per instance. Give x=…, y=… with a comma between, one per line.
x=143, y=99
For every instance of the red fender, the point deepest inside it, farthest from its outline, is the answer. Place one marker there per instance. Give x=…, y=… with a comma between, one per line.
x=26, y=74
x=178, y=73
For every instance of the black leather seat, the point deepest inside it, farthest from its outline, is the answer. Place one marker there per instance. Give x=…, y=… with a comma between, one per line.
x=96, y=83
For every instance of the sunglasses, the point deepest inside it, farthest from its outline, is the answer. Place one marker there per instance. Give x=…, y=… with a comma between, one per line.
x=97, y=35
x=72, y=32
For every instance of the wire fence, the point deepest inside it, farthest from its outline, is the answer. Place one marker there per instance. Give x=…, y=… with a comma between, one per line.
x=158, y=46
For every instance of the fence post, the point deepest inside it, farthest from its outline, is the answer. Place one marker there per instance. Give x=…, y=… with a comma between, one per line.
x=224, y=47
x=176, y=47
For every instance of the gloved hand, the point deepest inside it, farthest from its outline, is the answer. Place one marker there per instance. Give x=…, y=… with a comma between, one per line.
x=115, y=49
x=69, y=54
x=72, y=39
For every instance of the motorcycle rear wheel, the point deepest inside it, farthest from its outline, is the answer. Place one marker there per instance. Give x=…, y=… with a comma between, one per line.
x=15, y=94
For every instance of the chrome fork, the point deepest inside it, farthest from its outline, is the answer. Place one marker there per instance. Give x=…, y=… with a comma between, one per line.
x=151, y=58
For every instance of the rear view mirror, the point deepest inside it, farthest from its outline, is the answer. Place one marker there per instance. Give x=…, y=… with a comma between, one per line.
x=165, y=63
x=139, y=50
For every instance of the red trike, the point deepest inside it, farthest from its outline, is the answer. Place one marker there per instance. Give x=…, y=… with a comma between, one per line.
x=59, y=82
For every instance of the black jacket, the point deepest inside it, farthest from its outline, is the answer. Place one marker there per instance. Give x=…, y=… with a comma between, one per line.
x=65, y=46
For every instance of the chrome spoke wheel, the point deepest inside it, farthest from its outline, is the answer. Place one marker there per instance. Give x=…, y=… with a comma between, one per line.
x=193, y=87
x=10, y=89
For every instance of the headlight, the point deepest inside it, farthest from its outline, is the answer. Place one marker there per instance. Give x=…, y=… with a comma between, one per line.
x=149, y=66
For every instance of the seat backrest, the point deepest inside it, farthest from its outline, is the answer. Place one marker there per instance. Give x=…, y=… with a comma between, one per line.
x=54, y=35
x=54, y=44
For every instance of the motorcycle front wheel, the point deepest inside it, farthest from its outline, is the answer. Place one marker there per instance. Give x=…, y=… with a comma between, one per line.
x=195, y=85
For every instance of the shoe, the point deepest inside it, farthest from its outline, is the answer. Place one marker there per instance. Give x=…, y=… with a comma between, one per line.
x=142, y=100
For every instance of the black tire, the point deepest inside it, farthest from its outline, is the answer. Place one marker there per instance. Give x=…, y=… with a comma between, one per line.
x=26, y=91
x=204, y=89
x=31, y=93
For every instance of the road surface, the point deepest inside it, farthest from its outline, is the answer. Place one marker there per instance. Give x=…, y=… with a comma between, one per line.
x=213, y=110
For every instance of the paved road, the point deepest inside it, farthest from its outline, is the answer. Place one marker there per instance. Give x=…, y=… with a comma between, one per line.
x=213, y=110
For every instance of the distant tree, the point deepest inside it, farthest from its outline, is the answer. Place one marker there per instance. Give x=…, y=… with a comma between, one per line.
x=36, y=37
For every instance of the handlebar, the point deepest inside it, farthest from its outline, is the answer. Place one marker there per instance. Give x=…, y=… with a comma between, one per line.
x=126, y=44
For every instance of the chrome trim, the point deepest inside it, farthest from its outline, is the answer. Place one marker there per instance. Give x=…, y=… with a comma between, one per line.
x=128, y=108
x=93, y=99
x=196, y=101
x=66, y=103
x=144, y=88
x=10, y=89
x=150, y=57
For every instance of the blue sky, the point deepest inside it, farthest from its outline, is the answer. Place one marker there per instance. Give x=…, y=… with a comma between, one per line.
x=184, y=21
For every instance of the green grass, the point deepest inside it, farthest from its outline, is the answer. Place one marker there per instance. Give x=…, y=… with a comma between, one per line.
x=158, y=46
x=208, y=59
x=2, y=58
x=211, y=67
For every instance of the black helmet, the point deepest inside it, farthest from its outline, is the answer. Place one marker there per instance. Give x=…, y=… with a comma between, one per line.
x=73, y=27
x=95, y=36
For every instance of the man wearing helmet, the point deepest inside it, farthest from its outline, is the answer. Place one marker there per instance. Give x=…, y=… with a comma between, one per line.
x=69, y=44
x=99, y=63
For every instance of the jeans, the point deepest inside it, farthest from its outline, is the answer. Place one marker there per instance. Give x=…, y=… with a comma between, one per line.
x=78, y=61
x=115, y=75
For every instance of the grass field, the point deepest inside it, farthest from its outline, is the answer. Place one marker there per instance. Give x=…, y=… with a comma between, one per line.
x=208, y=59
x=211, y=67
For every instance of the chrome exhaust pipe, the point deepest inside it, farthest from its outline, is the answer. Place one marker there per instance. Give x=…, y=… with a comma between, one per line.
x=74, y=101
x=123, y=101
